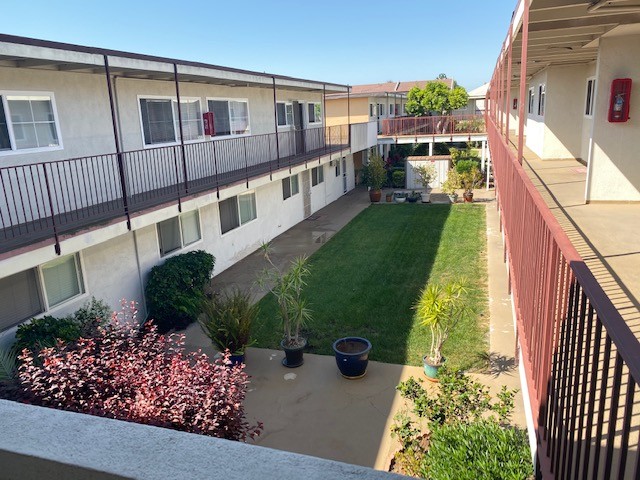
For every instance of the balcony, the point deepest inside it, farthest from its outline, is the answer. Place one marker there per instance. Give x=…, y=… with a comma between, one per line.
x=43, y=201
x=451, y=127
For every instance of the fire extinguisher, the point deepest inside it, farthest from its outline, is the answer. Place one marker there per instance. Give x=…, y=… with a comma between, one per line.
x=619, y=101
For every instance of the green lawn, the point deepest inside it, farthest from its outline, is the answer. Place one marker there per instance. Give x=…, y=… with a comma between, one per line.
x=366, y=278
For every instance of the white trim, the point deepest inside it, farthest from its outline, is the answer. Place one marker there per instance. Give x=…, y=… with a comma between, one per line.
x=286, y=126
x=240, y=224
x=25, y=93
x=291, y=194
x=531, y=101
x=227, y=99
x=176, y=131
x=542, y=99
x=183, y=247
x=48, y=309
x=316, y=123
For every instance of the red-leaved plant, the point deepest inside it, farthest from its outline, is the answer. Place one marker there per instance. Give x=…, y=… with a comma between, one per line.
x=135, y=374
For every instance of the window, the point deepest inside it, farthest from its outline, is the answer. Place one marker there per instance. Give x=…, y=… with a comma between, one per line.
x=230, y=117
x=338, y=168
x=380, y=109
x=284, y=113
x=372, y=110
x=236, y=211
x=317, y=175
x=19, y=297
x=541, y=95
x=62, y=279
x=404, y=109
x=315, y=112
x=290, y=187
x=178, y=232
x=398, y=109
x=28, y=122
x=588, y=109
x=159, y=118
x=531, y=101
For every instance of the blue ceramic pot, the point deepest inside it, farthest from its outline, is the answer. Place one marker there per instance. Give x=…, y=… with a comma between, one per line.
x=352, y=356
x=430, y=370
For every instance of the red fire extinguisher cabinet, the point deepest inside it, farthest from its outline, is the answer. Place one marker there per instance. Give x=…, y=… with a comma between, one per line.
x=620, y=100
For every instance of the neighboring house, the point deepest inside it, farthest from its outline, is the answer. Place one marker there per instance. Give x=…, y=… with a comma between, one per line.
x=111, y=162
x=475, y=105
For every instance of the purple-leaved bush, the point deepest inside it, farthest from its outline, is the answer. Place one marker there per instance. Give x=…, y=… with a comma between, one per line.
x=135, y=374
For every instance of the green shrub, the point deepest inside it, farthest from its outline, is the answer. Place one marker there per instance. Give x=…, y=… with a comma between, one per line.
x=45, y=332
x=91, y=315
x=398, y=179
x=175, y=289
x=477, y=451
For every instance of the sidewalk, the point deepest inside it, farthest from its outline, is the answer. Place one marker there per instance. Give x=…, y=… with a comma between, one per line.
x=312, y=409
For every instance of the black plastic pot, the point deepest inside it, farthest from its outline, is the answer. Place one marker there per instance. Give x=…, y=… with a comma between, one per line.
x=352, y=356
x=236, y=359
x=293, y=355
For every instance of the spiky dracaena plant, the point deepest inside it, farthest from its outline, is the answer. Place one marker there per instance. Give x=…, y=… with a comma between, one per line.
x=441, y=308
x=138, y=375
x=287, y=287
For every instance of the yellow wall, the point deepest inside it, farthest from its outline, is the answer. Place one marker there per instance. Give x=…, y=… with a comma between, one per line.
x=337, y=112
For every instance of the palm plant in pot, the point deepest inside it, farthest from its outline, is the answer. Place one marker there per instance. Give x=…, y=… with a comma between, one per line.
x=441, y=308
x=287, y=287
x=470, y=177
x=425, y=174
x=375, y=176
x=227, y=319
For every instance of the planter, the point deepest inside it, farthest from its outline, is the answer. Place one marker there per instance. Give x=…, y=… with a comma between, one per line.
x=412, y=199
x=425, y=197
x=453, y=198
x=237, y=359
x=352, y=356
x=293, y=355
x=431, y=370
x=375, y=195
x=389, y=197
x=401, y=199
x=468, y=197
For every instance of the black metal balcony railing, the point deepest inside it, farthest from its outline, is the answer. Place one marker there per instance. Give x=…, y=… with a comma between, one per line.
x=48, y=199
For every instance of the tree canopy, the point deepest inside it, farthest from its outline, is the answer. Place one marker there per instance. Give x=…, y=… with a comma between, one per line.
x=435, y=97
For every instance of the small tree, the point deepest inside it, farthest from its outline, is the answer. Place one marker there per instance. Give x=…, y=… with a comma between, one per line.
x=138, y=375
x=425, y=173
x=469, y=175
x=287, y=287
x=436, y=97
x=374, y=172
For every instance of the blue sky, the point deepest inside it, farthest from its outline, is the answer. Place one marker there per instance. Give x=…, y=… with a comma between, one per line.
x=349, y=42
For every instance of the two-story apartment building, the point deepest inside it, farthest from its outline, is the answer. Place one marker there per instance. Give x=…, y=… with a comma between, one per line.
x=111, y=162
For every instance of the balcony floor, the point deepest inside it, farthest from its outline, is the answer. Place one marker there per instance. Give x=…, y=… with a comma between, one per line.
x=605, y=235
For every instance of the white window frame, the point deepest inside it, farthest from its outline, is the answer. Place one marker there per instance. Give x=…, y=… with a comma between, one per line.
x=240, y=224
x=531, y=101
x=48, y=309
x=182, y=244
x=291, y=194
x=590, y=99
x=309, y=122
x=381, y=109
x=372, y=110
x=12, y=139
x=229, y=99
x=542, y=97
x=319, y=173
x=176, y=130
x=287, y=125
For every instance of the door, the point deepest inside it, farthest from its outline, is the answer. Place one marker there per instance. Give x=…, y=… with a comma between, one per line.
x=306, y=192
x=344, y=174
x=298, y=116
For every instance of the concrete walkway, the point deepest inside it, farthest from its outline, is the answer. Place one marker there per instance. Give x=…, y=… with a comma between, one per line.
x=312, y=409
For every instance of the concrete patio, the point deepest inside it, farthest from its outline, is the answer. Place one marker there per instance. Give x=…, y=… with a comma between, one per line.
x=312, y=409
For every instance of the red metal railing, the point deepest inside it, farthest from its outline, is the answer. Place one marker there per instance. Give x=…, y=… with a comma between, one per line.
x=438, y=125
x=47, y=199
x=582, y=361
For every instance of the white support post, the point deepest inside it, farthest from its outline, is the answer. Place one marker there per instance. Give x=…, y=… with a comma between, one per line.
x=483, y=154
x=431, y=149
x=488, y=170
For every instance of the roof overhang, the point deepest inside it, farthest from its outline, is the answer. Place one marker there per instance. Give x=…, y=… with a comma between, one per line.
x=22, y=52
x=567, y=32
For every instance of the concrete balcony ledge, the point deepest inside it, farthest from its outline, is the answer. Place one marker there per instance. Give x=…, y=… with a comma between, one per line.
x=40, y=443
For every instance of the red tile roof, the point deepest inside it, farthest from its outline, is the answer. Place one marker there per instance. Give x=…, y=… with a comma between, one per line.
x=396, y=87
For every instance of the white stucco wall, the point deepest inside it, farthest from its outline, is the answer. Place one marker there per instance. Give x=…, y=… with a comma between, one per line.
x=535, y=124
x=614, y=171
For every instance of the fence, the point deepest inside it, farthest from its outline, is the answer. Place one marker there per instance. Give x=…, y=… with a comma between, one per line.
x=437, y=125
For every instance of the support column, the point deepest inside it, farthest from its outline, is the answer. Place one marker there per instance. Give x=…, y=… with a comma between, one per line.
x=523, y=79
x=482, y=155
x=349, y=112
x=184, y=158
x=507, y=107
x=431, y=149
x=114, y=121
x=275, y=117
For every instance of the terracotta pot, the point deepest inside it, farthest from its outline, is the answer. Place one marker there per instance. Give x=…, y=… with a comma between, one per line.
x=468, y=197
x=375, y=195
x=389, y=197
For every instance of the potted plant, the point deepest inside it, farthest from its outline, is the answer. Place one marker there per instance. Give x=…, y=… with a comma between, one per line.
x=425, y=173
x=375, y=175
x=352, y=356
x=227, y=319
x=451, y=184
x=441, y=308
x=398, y=178
x=389, y=197
x=470, y=177
x=287, y=287
x=413, y=197
x=401, y=197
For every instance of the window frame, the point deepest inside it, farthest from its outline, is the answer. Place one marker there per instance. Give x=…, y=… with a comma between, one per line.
x=590, y=97
x=12, y=140
x=229, y=99
x=531, y=101
x=176, y=130
x=182, y=244
x=289, y=180
x=315, y=122
x=372, y=110
x=542, y=95
x=286, y=118
x=237, y=202
x=319, y=175
x=380, y=109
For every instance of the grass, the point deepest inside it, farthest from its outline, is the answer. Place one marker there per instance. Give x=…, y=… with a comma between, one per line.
x=365, y=280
